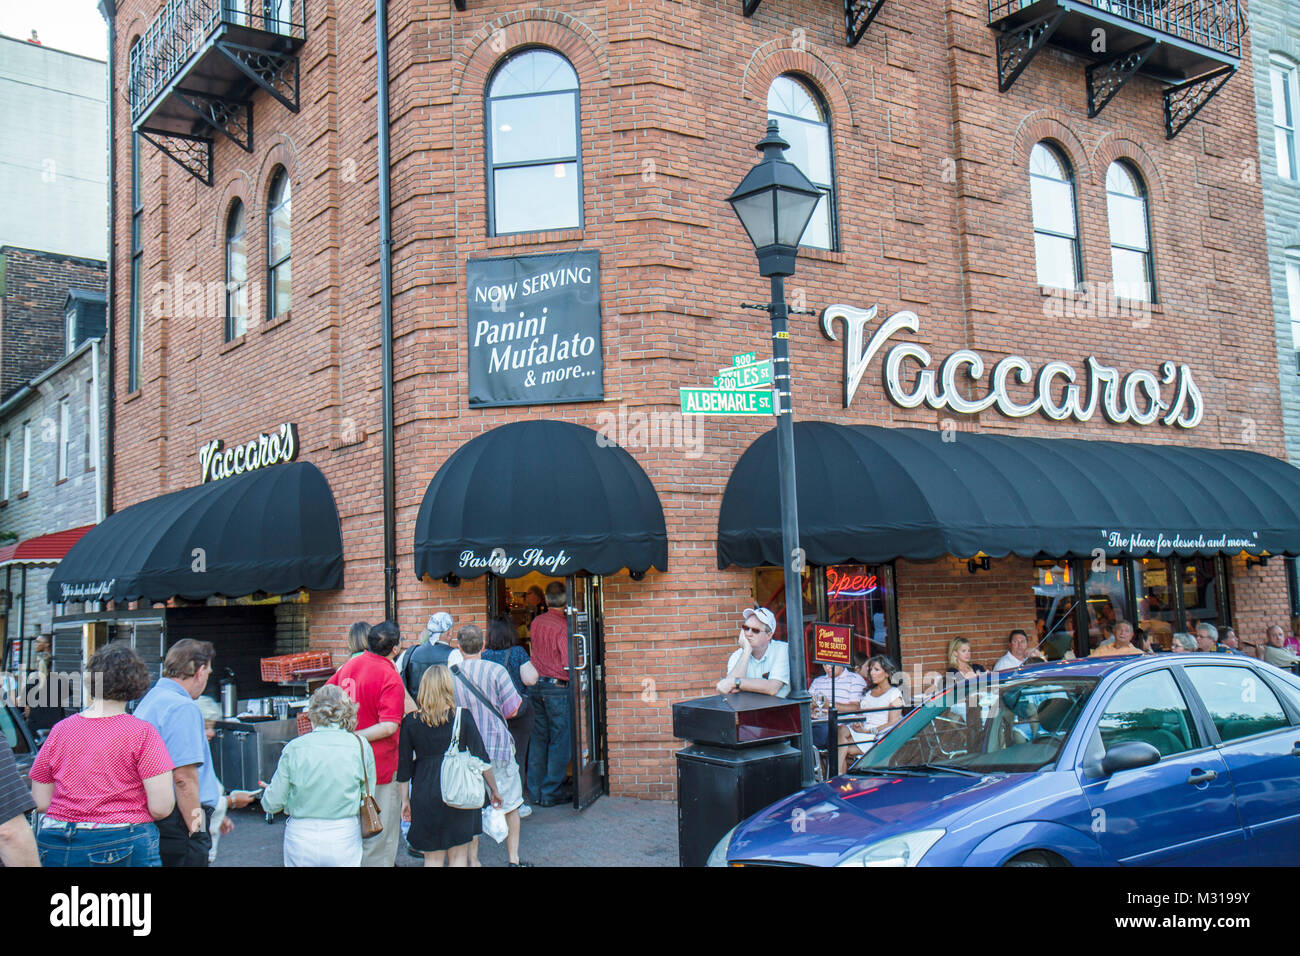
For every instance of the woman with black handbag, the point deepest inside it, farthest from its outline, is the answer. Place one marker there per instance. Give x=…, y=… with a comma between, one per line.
x=441, y=832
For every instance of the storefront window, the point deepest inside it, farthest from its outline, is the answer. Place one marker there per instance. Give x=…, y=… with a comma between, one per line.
x=1105, y=600
x=1200, y=579
x=1054, y=607
x=1157, y=607
x=854, y=594
x=769, y=592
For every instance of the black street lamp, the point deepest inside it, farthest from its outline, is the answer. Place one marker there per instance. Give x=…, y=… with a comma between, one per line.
x=774, y=202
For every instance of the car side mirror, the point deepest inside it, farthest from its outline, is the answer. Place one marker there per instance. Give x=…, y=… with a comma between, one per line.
x=1129, y=756
x=40, y=737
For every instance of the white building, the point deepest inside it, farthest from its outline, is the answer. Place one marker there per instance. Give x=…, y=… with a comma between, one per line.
x=53, y=150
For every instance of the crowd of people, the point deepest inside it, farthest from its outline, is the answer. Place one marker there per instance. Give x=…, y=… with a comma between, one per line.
x=122, y=787
x=119, y=788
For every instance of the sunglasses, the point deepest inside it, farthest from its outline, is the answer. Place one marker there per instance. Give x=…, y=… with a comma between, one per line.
x=751, y=630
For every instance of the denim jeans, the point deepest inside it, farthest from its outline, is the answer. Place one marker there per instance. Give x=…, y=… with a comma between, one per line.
x=551, y=747
x=63, y=844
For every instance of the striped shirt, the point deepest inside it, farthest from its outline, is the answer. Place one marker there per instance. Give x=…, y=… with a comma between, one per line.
x=493, y=681
x=15, y=798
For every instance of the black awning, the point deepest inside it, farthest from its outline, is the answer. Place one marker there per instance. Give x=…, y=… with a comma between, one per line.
x=541, y=496
x=870, y=494
x=275, y=530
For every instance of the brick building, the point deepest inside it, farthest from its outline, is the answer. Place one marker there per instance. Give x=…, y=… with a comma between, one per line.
x=34, y=299
x=930, y=211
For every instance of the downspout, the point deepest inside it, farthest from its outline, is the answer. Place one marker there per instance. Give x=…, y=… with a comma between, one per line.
x=386, y=310
x=104, y=483
x=94, y=431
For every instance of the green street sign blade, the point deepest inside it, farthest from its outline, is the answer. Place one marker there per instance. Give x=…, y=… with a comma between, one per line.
x=723, y=401
x=744, y=358
x=757, y=375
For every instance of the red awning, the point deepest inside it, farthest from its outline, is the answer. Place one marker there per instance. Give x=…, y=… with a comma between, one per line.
x=45, y=549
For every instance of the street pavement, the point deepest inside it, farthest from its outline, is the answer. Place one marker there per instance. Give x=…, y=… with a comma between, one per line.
x=614, y=831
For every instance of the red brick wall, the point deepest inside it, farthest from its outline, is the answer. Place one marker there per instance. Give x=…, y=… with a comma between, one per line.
x=933, y=214
x=1259, y=600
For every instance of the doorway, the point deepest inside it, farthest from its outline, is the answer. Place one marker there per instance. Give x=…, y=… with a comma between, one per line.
x=518, y=599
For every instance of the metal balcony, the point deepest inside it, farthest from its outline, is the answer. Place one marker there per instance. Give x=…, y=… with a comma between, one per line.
x=1190, y=46
x=193, y=73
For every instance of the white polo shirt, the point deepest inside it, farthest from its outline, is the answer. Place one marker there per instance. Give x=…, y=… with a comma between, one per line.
x=773, y=665
x=1007, y=661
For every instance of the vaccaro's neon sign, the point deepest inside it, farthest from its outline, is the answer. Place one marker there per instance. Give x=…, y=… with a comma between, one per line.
x=1138, y=397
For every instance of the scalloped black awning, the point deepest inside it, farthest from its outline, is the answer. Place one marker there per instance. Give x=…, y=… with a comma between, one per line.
x=275, y=530
x=869, y=494
x=543, y=496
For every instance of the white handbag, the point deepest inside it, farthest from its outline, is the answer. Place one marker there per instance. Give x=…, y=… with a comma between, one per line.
x=462, y=774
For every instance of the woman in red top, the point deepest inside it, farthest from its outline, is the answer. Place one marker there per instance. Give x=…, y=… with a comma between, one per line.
x=103, y=777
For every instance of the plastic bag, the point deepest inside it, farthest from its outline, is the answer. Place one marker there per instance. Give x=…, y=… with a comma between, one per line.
x=494, y=823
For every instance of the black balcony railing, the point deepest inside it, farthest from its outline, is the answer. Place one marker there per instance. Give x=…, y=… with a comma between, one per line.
x=193, y=72
x=184, y=27
x=1215, y=24
x=1190, y=46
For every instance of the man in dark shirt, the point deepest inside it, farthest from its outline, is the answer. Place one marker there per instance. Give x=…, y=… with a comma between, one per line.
x=434, y=650
x=549, y=751
x=17, y=845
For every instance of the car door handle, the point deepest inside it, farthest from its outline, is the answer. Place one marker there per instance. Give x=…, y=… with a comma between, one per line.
x=1208, y=776
x=1295, y=751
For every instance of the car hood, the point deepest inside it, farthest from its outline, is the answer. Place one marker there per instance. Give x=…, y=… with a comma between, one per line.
x=822, y=824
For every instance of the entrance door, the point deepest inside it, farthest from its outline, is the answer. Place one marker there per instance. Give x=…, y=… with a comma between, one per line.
x=587, y=686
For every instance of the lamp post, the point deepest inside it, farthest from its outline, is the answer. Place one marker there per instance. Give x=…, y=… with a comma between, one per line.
x=774, y=203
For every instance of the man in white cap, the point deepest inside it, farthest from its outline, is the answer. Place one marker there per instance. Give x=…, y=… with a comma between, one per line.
x=760, y=665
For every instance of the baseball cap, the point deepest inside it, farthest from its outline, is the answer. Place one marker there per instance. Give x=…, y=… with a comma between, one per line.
x=764, y=615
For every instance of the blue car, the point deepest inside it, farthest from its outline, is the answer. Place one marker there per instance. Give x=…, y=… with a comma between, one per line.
x=1169, y=760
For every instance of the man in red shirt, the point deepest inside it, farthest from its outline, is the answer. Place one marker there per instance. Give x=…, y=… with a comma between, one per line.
x=549, y=751
x=371, y=680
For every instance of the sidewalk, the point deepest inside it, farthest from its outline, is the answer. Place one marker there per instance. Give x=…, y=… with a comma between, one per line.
x=614, y=831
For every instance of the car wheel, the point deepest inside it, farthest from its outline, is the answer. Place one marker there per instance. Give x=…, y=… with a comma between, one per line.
x=1036, y=858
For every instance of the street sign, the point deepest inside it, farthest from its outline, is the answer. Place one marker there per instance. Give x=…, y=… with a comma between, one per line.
x=722, y=401
x=744, y=358
x=757, y=375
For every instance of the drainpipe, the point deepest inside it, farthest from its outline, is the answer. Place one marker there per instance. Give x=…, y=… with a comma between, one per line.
x=94, y=430
x=104, y=482
x=386, y=310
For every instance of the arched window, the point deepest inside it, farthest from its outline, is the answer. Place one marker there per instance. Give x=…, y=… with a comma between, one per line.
x=1056, y=223
x=805, y=125
x=279, y=278
x=236, y=273
x=1130, y=234
x=534, y=155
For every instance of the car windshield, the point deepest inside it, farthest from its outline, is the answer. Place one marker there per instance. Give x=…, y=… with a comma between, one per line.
x=986, y=726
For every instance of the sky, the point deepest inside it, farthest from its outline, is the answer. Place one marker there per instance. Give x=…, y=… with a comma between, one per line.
x=71, y=25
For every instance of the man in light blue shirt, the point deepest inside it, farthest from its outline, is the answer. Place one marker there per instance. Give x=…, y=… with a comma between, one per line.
x=183, y=838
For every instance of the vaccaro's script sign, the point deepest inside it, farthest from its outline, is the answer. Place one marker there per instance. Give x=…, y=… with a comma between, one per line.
x=1141, y=397
x=534, y=330
x=216, y=461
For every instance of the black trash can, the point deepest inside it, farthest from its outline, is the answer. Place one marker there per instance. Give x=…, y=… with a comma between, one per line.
x=738, y=761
